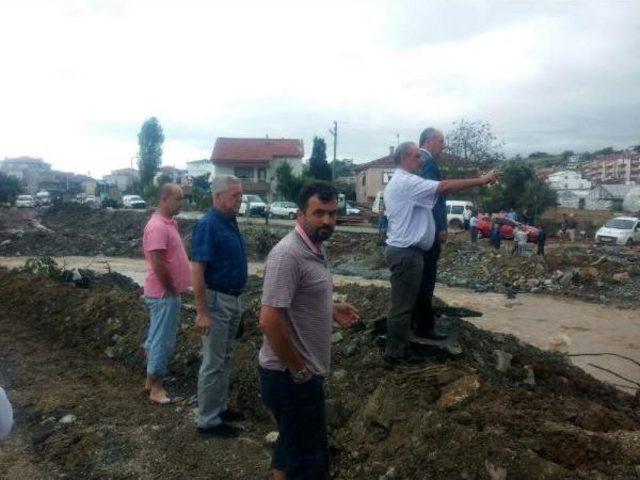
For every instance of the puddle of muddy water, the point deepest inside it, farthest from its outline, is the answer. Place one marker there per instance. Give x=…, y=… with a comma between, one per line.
x=557, y=323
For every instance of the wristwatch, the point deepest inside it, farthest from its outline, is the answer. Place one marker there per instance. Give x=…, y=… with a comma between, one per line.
x=301, y=375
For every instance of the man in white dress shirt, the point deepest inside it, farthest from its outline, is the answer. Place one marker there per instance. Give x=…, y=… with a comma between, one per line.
x=409, y=200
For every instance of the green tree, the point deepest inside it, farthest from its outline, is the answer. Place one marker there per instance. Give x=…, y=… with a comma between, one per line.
x=472, y=142
x=10, y=188
x=202, y=191
x=635, y=148
x=162, y=179
x=318, y=166
x=567, y=154
x=539, y=155
x=288, y=185
x=150, y=139
x=605, y=151
x=520, y=188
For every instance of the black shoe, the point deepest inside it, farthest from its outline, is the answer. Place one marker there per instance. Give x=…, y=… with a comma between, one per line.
x=232, y=416
x=222, y=430
x=430, y=335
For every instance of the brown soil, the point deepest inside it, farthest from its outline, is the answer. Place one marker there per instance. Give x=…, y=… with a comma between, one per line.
x=69, y=350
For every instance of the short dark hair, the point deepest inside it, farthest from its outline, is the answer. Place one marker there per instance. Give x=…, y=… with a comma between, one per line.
x=426, y=135
x=168, y=189
x=402, y=151
x=325, y=191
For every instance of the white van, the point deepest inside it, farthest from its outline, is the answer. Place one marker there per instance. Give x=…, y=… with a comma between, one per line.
x=455, y=209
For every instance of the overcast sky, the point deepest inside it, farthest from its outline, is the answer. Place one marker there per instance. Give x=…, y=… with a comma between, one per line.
x=78, y=78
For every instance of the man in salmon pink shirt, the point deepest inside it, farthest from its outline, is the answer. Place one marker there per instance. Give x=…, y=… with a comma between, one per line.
x=168, y=275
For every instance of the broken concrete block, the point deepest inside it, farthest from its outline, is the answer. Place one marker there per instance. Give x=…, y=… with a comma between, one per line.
x=530, y=379
x=271, y=438
x=459, y=391
x=67, y=419
x=495, y=473
x=503, y=360
x=621, y=277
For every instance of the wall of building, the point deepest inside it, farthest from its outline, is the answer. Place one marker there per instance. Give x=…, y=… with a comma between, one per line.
x=370, y=181
x=568, y=180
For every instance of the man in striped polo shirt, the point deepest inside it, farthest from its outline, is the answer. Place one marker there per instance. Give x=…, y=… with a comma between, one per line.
x=296, y=317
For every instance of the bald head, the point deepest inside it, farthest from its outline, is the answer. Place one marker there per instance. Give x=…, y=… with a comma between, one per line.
x=170, y=199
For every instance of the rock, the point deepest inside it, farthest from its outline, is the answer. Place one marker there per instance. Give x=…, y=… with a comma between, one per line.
x=503, y=360
x=565, y=280
x=620, y=277
x=530, y=379
x=339, y=375
x=495, y=473
x=459, y=391
x=391, y=473
x=560, y=343
x=336, y=337
x=271, y=438
x=68, y=419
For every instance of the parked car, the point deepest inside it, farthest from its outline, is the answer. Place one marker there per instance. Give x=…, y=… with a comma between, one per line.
x=507, y=228
x=43, y=198
x=455, y=209
x=86, y=199
x=351, y=210
x=25, y=201
x=253, y=205
x=110, y=202
x=133, y=201
x=283, y=209
x=620, y=231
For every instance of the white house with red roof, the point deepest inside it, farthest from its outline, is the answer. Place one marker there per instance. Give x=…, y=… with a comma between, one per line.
x=255, y=160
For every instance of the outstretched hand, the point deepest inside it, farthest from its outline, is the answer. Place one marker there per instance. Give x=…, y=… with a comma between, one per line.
x=490, y=177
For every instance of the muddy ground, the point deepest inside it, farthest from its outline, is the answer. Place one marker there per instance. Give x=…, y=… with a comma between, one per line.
x=69, y=359
x=601, y=274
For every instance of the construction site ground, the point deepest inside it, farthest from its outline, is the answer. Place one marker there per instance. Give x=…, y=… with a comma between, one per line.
x=512, y=405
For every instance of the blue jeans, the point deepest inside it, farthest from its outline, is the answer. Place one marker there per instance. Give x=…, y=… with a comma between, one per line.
x=161, y=341
x=217, y=347
x=302, y=448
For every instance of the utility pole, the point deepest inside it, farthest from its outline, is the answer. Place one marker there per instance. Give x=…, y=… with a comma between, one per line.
x=334, y=132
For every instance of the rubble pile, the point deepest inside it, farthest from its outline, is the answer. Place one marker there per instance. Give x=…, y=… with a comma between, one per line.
x=596, y=273
x=500, y=409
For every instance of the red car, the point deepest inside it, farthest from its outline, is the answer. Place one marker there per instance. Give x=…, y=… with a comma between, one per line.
x=507, y=228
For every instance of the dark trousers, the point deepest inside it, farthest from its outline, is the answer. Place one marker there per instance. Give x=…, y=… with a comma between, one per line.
x=540, y=248
x=406, y=265
x=423, y=318
x=302, y=448
x=474, y=234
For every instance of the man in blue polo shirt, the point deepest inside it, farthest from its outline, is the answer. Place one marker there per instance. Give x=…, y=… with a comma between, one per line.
x=219, y=274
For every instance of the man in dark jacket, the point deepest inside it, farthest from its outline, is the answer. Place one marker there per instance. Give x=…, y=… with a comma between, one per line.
x=431, y=144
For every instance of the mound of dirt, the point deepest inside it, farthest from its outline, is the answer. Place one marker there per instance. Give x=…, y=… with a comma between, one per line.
x=500, y=410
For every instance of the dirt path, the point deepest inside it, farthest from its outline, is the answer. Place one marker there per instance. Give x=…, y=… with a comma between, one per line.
x=114, y=433
x=560, y=323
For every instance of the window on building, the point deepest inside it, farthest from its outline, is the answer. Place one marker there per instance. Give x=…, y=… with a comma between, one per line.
x=386, y=177
x=244, y=173
x=364, y=178
x=262, y=174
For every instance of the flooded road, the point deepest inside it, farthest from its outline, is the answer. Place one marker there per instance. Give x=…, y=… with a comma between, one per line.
x=547, y=322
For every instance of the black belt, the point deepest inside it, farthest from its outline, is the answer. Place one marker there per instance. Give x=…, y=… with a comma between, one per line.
x=235, y=292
